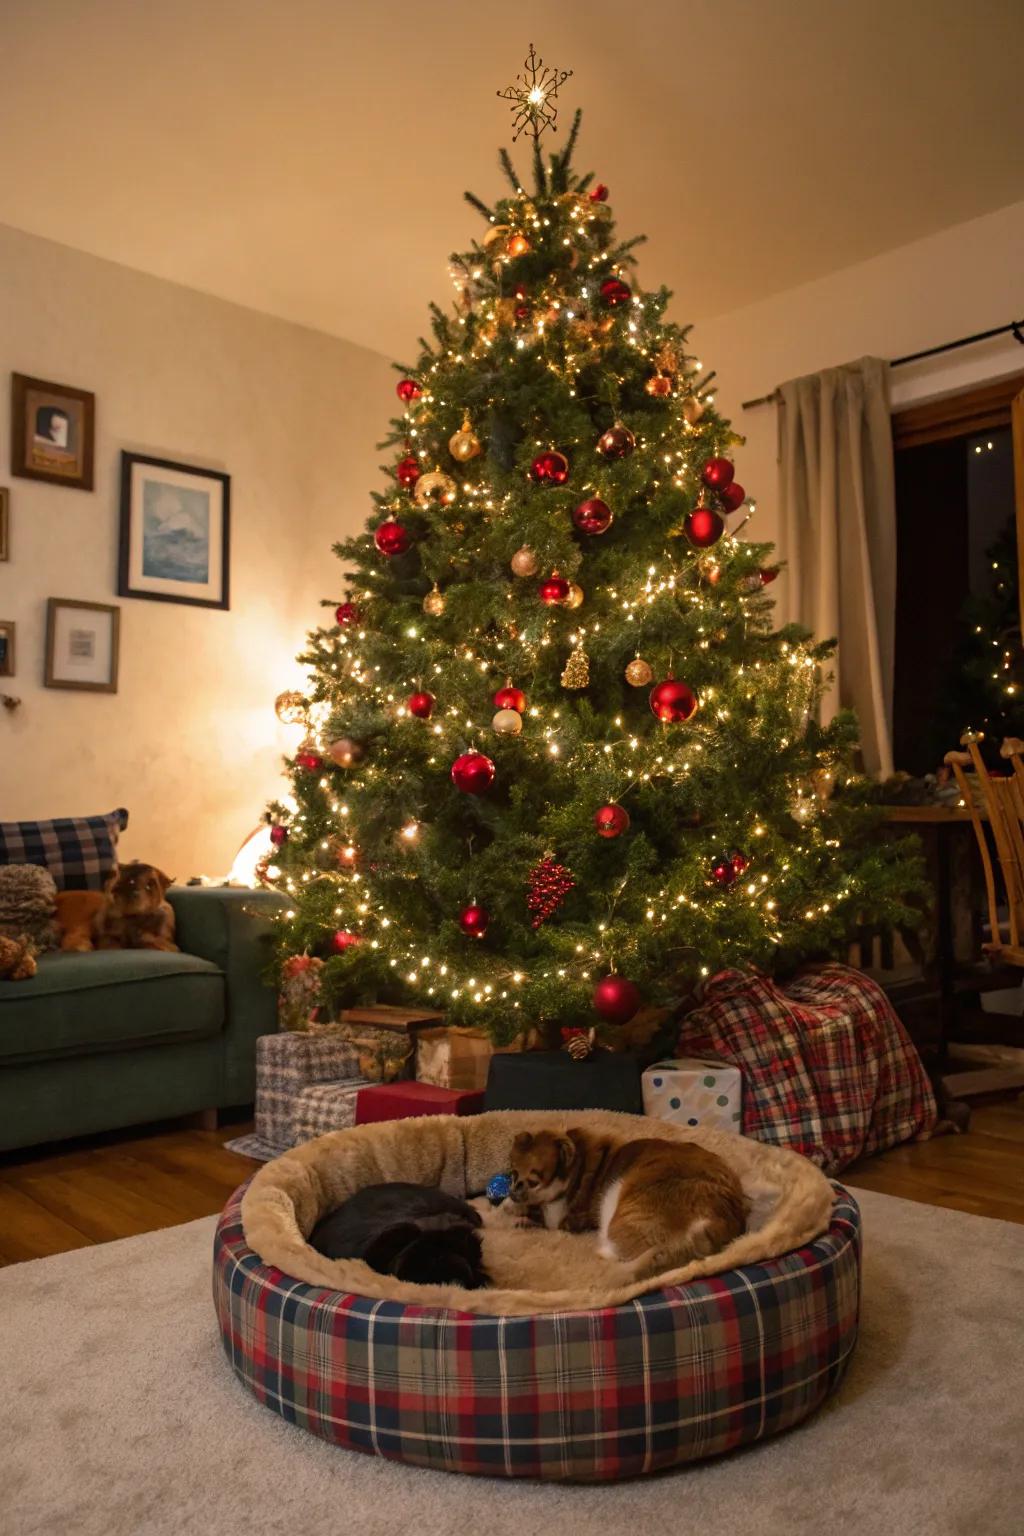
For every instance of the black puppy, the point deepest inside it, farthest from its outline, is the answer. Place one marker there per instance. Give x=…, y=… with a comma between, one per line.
x=409, y=1231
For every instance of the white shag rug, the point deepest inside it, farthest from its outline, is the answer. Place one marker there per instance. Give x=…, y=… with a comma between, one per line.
x=119, y=1415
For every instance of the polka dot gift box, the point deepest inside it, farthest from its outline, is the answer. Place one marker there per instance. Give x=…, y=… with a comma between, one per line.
x=694, y=1090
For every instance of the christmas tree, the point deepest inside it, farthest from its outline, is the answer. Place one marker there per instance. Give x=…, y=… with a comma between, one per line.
x=559, y=764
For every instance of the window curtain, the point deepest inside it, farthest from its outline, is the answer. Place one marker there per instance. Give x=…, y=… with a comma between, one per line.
x=838, y=536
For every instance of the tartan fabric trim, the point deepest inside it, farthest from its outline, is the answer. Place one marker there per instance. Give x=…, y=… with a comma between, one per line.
x=79, y=851
x=828, y=1068
x=671, y=1377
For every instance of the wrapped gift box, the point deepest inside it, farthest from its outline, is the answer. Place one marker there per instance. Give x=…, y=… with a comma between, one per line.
x=324, y=1107
x=285, y=1065
x=694, y=1090
x=384, y=1037
x=401, y=1101
x=453, y=1058
x=553, y=1080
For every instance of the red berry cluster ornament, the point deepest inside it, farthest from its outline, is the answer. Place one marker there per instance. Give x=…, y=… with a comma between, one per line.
x=347, y=614
x=592, y=516
x=672, y=701
x=616, y=999
x=408, y=390
x=615, y=292
x=392, y=538
x=408, y=471
x=473, y=920
x=550, y=468
x=550, y=883
x=278, y=836
x=611, y=821
x=420, y=705
x=472, y=773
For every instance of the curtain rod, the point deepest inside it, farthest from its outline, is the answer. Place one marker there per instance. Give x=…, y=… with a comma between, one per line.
x=1015, y=328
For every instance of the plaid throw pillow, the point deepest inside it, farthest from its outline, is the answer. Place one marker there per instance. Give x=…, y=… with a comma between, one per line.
x=79, y=851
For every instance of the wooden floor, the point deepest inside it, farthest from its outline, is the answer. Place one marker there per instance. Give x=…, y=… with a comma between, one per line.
x=116, y=1186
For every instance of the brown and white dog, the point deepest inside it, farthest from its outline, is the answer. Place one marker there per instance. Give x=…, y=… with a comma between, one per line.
x=135, y=914
x=657, y=1204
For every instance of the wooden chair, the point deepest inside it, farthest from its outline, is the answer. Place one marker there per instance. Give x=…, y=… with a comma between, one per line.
x=996, y=808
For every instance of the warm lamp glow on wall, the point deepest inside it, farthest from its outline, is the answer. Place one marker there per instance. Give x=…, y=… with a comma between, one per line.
x=256, y=851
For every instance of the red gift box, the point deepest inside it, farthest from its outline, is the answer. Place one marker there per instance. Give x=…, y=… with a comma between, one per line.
x=403, y=1100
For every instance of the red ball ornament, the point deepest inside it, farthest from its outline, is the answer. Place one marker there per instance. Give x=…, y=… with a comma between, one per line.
x=392, y=538
x=611, y=821
x=420, y=705
x=722, y=871
x=599, y=193
x=343, y=939
x=550, y=468
x=768, y=575
x=592, y=516
x=617, y=443
x=703, y=527
x=672, y=701
x=717, y=473
x=473, y=921
x=522, y=312
x=616, y=999
x=554, y=590
x=279, y=836
x=347, y=614
x=408, y=471
x=472, y=773
x=739, y=861
x=309, y=762
x=408, y=390
x=510, y=698
x=732, y=495
x=615, y=292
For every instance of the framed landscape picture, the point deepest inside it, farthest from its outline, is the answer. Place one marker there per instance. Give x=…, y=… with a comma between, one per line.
x=52, y=432
x=82, y=645
x=175, y=532
x=6, y=648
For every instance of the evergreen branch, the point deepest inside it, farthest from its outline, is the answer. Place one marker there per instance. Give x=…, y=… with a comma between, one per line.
x=560, y=163
x=540, y=180
x=479, y=205
x=505, y=160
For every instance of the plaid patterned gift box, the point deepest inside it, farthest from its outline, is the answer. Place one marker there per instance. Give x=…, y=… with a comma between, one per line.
x=285, y=1065
x=324, y=1107
x=674, y=1376
x=79, y=851
x=828, y=1069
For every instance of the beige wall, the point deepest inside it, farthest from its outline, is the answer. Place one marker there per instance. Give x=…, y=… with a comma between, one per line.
x=965, y=279
x=189, y=742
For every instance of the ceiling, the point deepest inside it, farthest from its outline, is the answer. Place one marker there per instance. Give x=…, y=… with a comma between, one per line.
x=307, y=157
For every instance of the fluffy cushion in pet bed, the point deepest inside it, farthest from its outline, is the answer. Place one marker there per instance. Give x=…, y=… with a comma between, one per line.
x=565, y=1368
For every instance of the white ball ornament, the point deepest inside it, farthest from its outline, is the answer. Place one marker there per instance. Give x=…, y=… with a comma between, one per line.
x=507, y=722
x=524, y=562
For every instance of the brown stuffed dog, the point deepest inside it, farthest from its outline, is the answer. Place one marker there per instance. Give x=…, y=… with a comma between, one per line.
x=135, y=914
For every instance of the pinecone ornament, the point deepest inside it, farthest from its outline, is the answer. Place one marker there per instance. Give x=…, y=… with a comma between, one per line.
x=550, y=884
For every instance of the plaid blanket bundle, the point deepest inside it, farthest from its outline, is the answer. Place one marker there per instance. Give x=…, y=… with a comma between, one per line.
x=828, y=1069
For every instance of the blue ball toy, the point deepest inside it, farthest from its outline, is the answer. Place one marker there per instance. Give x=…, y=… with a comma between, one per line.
x=499, y=1188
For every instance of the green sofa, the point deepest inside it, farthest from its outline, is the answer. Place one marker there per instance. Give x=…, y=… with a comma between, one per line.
x=119, y=1037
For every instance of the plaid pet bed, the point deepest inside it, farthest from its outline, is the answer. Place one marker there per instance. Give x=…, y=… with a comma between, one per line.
x=671, y=1377
x=79, y=851
x=828, y=1069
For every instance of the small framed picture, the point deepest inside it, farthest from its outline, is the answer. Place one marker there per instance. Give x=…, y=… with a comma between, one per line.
x=6, y=648
x=82, y=641
x=5, y=523
x=52, y=432
x=175, y=532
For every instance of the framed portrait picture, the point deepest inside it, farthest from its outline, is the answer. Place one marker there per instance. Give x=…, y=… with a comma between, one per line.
x=175, y=532
x=5, y=523
x=52, y=432
x=82, y=641
x=6, y=648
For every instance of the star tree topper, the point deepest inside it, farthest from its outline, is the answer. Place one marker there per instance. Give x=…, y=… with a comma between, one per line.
x=532, y=96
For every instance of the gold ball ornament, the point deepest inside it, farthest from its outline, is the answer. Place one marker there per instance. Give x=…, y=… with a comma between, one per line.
x=575, y=597
x=518, y=245
x=345, y=752
x=524, y=562
x=434, y=602
x=290, y=707
x=638, y=673
x=693, y=410
x=435, y=490
x=465, y=444
x=507, y=722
